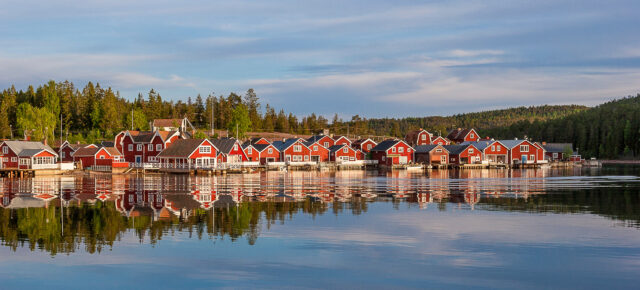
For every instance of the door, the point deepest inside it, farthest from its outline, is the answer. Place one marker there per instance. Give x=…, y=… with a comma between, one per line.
x=402, y=159
x=138, y=159
x=524, y=158
x=443, y=159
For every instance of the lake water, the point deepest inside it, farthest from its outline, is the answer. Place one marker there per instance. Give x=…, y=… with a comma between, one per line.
x=576, y=228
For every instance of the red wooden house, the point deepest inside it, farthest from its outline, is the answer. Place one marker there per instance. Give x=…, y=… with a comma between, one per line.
x=251, y=152
x=143, y=147
x=440, y=140
x=431, y=154
x=258, y=140
x=464, y=154
x=392, y=152
x=342, y=153
x=89, y=157
x=492, y=151
x=27, y=155
x=318, y=152
x=523, y=151
x=229, y=150
x=268, y=153
x=418, y=137
x=323, y=140
x=293, y=150
x=463, y=135
x=189, y=153
x=364, y=145
x=340, y=140
x=67, y=149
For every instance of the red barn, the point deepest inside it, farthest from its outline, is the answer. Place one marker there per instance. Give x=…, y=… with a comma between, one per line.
x=342, y=153
x=189, y=153
x=229, y=150
x=392, y=152
x=464, y=154
x=293, y=150
x=431, y=154
x=418, y=137
x=323, y=140
x=463, y=135
x=364, y=145
x=318, y=153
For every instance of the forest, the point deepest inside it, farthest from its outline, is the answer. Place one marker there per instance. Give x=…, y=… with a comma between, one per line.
x=92, y=113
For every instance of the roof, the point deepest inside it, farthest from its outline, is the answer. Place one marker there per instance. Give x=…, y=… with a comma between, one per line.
x=287, y=143
x=85, y=152
x=427, y=148
x=386, y=144
x=77, y=146
x=336, y=138
x=167, y=123
x=144, y=137
x=19, y=146
x=557, y=147
x=224, y=145
x=511, y=143
x=360, y=141
x=112, y=151
x=458, y=134
x=335, y=148
x=261, y=147
x=106, y=144
x=166, y=134
x=181, y=148
x=456, y=149
x=412, y=136
x=316, y=138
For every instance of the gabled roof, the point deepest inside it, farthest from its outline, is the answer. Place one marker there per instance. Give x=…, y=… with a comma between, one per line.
x=360, y=141
x=287, y=143
x=224, y=145
x=86, y=152
x=311, y=143
x=335, y=148
x=167, y=122
x=112, y=151
x=428, y=148
x=385, y=145
x=557, y=147
x=77, y=146
x=459, y=134
x=182, y=148
x=336, y=138
x=262, y=147
x=165, y=135
x=457, y=149
x=316, y=138
x=144, y=137
x=18, y=146
x=512, y=143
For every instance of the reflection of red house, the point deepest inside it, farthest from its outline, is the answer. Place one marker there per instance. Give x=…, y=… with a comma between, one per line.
x=392, y=152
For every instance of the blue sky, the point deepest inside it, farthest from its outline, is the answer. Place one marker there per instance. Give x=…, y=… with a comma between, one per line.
x=372, y=58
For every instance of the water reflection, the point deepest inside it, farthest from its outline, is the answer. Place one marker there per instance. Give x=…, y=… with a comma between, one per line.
x=92, y=212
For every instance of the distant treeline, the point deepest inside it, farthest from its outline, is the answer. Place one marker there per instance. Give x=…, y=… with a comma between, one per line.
x=93, y=113
x=610, y=130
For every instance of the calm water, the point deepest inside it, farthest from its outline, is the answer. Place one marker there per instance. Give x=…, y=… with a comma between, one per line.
x=350, y=229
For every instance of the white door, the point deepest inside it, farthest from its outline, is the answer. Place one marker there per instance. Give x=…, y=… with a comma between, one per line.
x=402, y=160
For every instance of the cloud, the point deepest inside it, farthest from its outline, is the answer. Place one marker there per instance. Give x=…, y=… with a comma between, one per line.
x=473, y=53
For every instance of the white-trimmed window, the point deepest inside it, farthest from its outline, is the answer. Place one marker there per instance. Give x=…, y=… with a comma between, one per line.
x=150, y=147
x=369, y=146
x=555, y=155
x=204, y=149
x=297, y=148
x=438, y=150
x=5, y=159
x=14, y=159
x=158, y=147
x=493, y=148
x=306, y=158
x=524, y=148
x=139, y=147
x=249, y=150
x=63, y=154
x=472, y=135
x=470, y=150
x=101, y=156
x=270, y=150
x=235, y=147
x=400, y=149
x=408, y=150
x=383, y=158
x=532, y=157
x=315, y=148
x=424, y=137
x=345, y=150
x=130, y=147
x=24, y=161
x=326, y=144
x=393, y=149
x=5, y=150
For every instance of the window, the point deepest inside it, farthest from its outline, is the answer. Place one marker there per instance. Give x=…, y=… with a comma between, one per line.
x=14, y=159
x=158, y=147
x=249, y=150
x=472, y=135
x=345, y=150
x=424, y=137
x=130, y=147
x=438, y=150
x=555, y=155
x=5, y=150
x=235, y=146
x=270, y=150
x=393, y=149
x=24, y=161
x=5, y=159
x=408, y=150
x=352, y=158
x=101, y=156
x=306, y=158
x=493, y=148
x=204, y=149
x=470, y=150
x=524, y=148
x=326, y=144
x=63, y=154
x=139, y=147
x=532, y=157
x=401, y=149
x=368, y=146
x=315, y=148
x=297, y=148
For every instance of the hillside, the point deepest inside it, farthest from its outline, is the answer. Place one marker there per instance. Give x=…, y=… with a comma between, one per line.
x=610, y=130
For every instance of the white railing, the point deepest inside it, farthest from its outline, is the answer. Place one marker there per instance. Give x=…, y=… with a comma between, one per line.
x=301, y=163
x=354, y=162
x=251, y=163
x=276, y=163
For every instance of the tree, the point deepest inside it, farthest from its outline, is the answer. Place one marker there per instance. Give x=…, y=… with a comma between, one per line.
x=567, y=152
x=200, y=135
x=39, y=123
x=139, y=120
x=240, y=121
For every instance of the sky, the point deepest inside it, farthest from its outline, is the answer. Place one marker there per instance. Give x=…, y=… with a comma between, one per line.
x=371, y=58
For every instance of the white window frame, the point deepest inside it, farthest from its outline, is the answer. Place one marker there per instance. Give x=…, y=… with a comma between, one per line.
x=130, y=147
x=5, y=150
x=204, y=149
x=369, y=146
x=101, y=156
x=471, y=135
x=315, y=148
x=14, y=159
x=493, y=148
x=235, y=146
x=400, y=149
x=326, y=144
x=438, y=150
x=470, y=150
x=524, y=148
x=555, y=154
x=249, y=150
x=306, y=158
x=158, y=147
x=63, y=154
x=297, y=148
x=393, y=149
x=270, y=150
x=345, y=150
x=139, y=147
x=424, y=137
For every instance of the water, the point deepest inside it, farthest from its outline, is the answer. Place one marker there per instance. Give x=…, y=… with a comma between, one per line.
x=574, y=228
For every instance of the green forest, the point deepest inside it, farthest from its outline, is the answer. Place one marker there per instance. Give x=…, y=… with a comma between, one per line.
x=93, y=113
